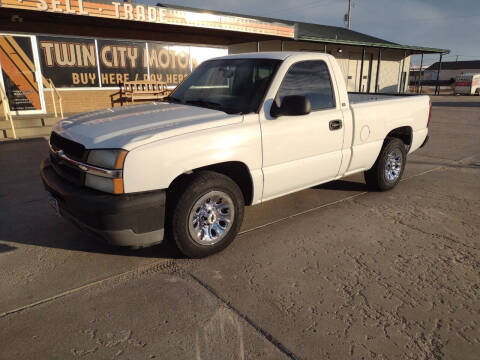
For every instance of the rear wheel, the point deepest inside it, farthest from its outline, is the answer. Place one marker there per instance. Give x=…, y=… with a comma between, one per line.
x=207, y=214
x=388, y=169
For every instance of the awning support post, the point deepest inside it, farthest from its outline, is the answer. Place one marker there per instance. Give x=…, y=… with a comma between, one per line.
x=378, y=69
x=258, y=46
x=370, y=73
x=361, y=70
x=401, y=85
x=437, y=87
x=419, y=90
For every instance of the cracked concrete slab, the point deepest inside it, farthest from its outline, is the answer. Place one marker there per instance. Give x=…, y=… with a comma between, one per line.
x=146, y=316
x=386, y=275
x=392, y=275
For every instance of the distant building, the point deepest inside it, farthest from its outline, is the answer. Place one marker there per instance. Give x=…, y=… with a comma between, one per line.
x=415, y=73
x=450, y=69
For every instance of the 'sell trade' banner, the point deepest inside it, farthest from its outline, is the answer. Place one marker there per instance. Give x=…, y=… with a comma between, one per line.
x=153, y=14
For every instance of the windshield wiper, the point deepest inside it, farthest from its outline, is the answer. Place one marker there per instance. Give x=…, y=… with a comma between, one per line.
x=172, y=100
x=205, y=103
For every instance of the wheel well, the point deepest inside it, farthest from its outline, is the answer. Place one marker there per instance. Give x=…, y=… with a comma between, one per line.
x=404, y=133
x=235, y=170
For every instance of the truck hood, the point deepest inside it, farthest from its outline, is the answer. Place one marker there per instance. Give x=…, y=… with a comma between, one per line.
x=131, y=126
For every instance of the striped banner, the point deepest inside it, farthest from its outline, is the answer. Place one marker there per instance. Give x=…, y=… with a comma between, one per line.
x=16, y=59
x=153, y=14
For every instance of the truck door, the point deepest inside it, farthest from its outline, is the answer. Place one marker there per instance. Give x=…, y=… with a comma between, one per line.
x=302, y=151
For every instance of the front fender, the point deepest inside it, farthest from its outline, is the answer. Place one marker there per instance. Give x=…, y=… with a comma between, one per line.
x=155, y=165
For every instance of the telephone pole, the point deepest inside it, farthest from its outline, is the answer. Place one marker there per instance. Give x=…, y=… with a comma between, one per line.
x=349, y=13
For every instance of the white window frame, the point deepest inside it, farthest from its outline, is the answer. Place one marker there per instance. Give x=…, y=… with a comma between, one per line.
x=38, y=77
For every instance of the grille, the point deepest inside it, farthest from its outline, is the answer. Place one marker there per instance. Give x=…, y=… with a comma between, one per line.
x=71, y=148
x=67, y=171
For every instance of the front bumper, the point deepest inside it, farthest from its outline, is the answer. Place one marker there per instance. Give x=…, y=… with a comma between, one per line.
x=135, y=220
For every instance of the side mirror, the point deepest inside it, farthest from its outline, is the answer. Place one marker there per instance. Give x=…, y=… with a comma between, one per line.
x=292, y=105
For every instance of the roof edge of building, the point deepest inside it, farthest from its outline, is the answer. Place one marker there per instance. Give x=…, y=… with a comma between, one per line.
x=456, y=65
x=384, y=44
x=377, y=45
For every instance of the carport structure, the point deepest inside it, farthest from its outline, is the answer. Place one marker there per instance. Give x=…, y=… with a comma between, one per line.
x=364, y=49
x=340, y=36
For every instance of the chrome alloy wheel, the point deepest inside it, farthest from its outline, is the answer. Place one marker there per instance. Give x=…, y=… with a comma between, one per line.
x=211, y=218
x=393, y=165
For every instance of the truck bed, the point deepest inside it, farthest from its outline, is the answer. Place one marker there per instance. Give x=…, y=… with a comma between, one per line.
x=373, y=113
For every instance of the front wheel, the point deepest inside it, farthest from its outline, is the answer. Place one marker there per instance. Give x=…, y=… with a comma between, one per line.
x=207, y=214
x=388, y=169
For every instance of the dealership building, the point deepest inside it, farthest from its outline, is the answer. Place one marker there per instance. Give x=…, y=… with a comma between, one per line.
x=83, y=50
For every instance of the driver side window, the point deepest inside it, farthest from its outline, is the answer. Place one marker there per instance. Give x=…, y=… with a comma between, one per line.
x=310, y=79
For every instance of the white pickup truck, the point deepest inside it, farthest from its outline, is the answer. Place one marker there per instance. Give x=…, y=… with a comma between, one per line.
x=238, y=131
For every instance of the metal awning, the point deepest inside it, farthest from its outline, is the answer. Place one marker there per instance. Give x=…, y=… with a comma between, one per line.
x=412, y=49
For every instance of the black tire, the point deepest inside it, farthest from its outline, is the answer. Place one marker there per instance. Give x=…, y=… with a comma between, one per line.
x=194, y=189
x=377, y=178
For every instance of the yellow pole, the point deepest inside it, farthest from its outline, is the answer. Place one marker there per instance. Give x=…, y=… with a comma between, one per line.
x=53, y=97
x=11, y=124
x=61, y=107
x=6, y=110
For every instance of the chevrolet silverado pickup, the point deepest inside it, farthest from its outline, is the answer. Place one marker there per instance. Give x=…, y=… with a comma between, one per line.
x=240, y=130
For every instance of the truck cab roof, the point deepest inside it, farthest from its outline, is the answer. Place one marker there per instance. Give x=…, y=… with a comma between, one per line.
x=278, y=55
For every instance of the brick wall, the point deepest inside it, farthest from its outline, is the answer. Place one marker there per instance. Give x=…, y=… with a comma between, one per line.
x=80, y=100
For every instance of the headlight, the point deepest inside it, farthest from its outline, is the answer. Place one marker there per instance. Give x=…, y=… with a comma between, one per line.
x=111, y=159
x=108, y=158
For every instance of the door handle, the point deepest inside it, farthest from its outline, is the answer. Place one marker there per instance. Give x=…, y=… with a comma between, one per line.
x=335, y=125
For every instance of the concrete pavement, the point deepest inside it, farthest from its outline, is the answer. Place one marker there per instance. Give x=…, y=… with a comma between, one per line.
x=331, y=272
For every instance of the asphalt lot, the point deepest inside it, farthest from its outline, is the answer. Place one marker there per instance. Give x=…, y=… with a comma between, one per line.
x=332, y=272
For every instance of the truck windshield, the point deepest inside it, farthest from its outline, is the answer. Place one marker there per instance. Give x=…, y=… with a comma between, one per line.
x=235, y=86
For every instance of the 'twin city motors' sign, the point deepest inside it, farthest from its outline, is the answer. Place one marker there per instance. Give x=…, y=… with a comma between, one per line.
x=153, y=14
x=84, y=62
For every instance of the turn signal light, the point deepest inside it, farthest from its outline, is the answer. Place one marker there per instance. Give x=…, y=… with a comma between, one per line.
x=118, y=186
